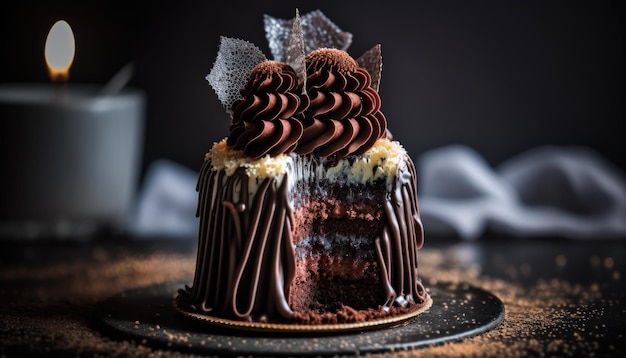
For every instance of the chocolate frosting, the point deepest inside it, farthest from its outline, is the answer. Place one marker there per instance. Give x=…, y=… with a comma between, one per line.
x=268, y=119
x=344, y=115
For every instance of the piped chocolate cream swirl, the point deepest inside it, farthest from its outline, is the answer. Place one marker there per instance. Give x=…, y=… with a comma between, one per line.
x=268, y=119
x=344, y=115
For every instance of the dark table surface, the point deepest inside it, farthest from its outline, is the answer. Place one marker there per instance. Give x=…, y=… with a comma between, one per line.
x=561, y=297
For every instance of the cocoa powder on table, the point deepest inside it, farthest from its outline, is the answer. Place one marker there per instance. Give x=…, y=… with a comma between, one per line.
x=47, y=308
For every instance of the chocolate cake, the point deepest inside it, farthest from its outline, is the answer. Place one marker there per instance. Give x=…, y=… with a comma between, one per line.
x=308, y=209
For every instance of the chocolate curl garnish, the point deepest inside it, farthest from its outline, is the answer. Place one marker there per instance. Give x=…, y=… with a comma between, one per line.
x=235, y=60
x=372, y=61
x=318, y=31
x=294, y=53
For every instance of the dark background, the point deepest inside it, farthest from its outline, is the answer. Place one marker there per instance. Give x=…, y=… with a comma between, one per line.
x=499, y=76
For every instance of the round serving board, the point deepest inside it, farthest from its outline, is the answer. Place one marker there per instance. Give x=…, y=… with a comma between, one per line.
x=303, y=328
x=148, y=316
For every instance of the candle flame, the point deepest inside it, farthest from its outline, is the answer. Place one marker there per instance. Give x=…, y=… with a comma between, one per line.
x=59, y=51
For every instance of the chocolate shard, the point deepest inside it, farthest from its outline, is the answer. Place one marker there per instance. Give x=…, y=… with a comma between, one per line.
x=317, y=29
x=372, y=61
x=294, y=53
x=235, y=60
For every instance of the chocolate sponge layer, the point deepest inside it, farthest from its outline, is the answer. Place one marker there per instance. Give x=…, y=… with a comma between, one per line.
x=335, y=253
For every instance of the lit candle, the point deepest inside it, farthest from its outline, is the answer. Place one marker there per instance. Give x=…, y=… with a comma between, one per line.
x=70, y=156
x=59, y=51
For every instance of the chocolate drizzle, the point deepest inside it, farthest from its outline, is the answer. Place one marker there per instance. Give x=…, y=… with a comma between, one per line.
x=402, y=236
x=246, y=258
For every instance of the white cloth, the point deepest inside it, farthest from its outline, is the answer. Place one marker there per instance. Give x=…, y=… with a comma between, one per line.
x=563, y=192
x=166, y=204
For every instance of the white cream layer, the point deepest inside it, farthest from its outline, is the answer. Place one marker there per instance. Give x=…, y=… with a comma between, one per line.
x=382, y=161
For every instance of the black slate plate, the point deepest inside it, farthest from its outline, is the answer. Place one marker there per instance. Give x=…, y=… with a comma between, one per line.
x=147, y=316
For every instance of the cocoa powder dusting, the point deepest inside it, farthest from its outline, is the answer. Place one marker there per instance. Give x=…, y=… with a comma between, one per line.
x=47, y=307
